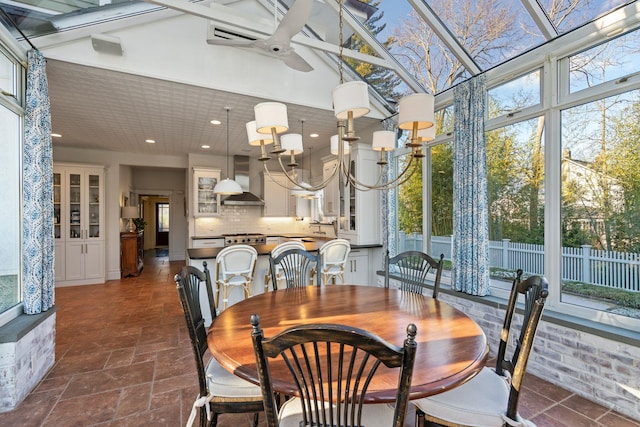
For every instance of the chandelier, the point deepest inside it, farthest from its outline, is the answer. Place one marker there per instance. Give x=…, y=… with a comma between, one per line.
x=350, y=101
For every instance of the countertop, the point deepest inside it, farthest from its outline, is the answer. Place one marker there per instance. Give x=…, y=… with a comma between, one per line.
x=285, y=235
x=211, y=253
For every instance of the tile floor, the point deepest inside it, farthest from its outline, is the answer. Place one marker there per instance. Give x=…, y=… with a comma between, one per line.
x=124, y=359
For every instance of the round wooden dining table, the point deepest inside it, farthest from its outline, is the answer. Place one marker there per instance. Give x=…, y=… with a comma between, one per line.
x=452, y=348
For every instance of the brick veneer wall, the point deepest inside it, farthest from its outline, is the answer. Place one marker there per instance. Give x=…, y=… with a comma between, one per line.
x=599, y=369
x=27, y=352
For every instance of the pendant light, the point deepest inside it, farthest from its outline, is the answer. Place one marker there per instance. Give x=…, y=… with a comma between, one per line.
x=227, y=186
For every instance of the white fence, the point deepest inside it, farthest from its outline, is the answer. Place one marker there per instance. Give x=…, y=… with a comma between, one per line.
x=620, y=270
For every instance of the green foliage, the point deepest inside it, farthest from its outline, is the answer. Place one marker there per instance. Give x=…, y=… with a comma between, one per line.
x=410, y=201
x=140, y=224
x=442, y=189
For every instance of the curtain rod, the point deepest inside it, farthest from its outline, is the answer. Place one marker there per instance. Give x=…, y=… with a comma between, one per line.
x=6, y=15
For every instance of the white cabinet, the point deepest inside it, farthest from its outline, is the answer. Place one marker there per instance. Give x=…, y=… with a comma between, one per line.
x=331, y=196
x=79, y=224
x=356, y=271
x=359, y=216
x=205, y=201
x=277, y=195
x=207, y=243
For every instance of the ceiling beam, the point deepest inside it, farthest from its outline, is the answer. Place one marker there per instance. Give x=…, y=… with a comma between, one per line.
x=225, y=18
x=541, y=19
x=445, y=35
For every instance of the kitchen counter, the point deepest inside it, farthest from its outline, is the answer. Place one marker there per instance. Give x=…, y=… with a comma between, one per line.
x=211, y=253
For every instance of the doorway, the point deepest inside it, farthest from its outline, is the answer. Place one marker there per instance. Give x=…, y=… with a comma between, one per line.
x=162, y=224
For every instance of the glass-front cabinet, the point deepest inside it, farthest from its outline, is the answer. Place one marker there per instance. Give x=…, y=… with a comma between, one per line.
x=205, y=201
x=78, y=208
x=359, y=220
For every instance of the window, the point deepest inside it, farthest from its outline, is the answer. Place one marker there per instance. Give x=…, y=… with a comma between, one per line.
x=615, y=59
x=163, y=217
x=515, y=95
x=601, y=205
x=11, y=119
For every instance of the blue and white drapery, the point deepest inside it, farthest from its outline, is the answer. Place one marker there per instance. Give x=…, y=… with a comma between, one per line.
x=470, y=254
x=37, y=201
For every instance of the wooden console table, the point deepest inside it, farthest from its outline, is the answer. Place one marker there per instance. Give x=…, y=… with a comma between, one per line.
x=131, y=254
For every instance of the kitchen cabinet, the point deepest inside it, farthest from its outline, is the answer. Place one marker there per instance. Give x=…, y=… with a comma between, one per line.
x=331, y=201
x=276, y=191
x=205, y=202
x=78, y=193
x=208, y=243
x=356, y=271
x=359, y=216
x=131, y=254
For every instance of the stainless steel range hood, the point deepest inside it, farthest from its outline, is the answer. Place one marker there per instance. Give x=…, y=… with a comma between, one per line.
x=241, y=176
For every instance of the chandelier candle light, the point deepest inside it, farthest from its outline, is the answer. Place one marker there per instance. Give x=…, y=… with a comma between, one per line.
x=350, y=101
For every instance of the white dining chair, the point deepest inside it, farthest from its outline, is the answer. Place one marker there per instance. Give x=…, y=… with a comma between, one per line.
x=235, y=267
x=333, y=257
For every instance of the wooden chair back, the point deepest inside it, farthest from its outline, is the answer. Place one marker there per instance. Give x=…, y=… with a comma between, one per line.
x=411, y=269
x=188, y=282
x=332, y=363
x=534, y=291
x=296, y=268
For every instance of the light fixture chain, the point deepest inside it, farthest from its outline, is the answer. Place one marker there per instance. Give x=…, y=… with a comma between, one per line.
x=340, y=46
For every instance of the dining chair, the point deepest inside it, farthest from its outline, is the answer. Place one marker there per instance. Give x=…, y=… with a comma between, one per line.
x=297, y=267
x=294, y=244
x=235, y=266
x=411, y=268
x=490, y=399
x=332, y=366
x=333, y=257
x=219, y=390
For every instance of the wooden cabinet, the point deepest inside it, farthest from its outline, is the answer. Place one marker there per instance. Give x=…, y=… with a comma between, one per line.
x=205, y=201
x=78, y=203
x=359, y=216
x=131, y=254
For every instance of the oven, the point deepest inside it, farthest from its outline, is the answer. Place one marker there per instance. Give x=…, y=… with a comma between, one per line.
x=244, y=239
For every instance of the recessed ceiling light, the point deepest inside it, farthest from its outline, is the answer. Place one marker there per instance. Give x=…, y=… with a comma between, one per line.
x=314, y=135
x=150, y=141
x=205, y=146
x=56, y=135
x=215, y=122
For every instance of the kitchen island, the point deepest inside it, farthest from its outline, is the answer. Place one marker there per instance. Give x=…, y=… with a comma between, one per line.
x=364, y=259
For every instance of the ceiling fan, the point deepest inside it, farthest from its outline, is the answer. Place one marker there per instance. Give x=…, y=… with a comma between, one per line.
x=279, y=43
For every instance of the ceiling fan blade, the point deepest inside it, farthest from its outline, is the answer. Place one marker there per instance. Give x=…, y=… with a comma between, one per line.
x=297, y=62
x=293, y=21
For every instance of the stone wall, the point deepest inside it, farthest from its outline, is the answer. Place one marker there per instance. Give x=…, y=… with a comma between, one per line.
x=27, y=352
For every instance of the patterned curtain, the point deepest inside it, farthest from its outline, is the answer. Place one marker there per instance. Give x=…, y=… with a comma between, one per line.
x=37, y=202
x=470, y=252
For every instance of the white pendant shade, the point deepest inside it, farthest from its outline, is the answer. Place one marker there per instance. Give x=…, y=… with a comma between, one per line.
x=417, y=107
x=271, y=115
x=301, y=190
x=292, y=142
x=334, y=146
x=351, y=96
x=427, y=135
x=227, y=187
x=383, y=140
x=255, y=137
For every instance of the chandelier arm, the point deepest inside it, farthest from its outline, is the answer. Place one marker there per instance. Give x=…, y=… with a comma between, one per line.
x=400, y=179
x=283, y=171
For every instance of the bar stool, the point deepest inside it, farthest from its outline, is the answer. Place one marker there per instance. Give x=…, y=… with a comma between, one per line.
x=333, y=257
x=235, y=267
x=284, y=246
